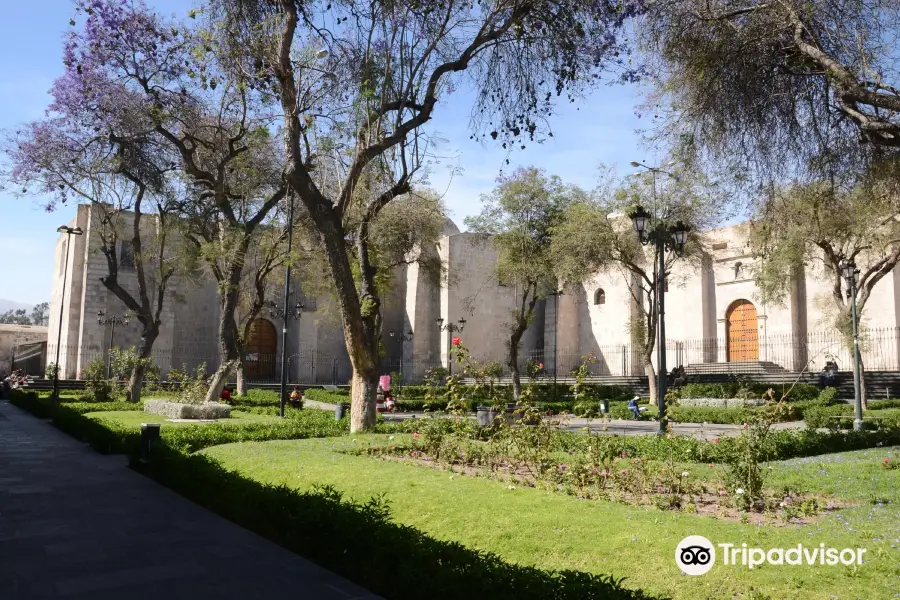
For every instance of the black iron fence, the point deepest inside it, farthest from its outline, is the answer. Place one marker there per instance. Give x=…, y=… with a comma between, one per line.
x=880, y=350
x=308, y=367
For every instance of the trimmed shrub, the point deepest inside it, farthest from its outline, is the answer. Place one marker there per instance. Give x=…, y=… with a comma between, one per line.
x=326, y=396
x=257, y=398
x=735, y=389
x=89, y=407
x=178, y=410
x=709, y=414
x=44, y=408
x=841, y=417
x=97, y=388
x=342, y=535
x=109, y=437
x=882, y=404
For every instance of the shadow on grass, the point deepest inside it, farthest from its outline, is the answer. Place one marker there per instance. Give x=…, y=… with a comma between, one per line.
x=359, y=541
x=356, y=540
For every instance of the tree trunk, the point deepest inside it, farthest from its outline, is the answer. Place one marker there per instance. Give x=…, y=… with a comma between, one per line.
x=362, y=400
x=516, y=377
x=241, y=381
x=136, y=380
x=219, y=380
x=651, y=378
x=228, y=345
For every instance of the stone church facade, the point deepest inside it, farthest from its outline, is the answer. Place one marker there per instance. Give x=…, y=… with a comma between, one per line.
x=713, y=317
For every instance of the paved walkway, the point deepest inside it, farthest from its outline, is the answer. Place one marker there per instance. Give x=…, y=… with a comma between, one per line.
x=629, y=427
x=78, y=525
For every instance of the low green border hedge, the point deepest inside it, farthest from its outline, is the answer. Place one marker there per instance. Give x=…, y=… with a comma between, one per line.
x=343, y=535
x=340, y=534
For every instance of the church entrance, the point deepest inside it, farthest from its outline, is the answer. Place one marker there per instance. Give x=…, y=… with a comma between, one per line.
x=260, y=351
x=742, y=331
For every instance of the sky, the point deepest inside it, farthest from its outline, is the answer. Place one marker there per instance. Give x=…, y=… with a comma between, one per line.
x=603, y=128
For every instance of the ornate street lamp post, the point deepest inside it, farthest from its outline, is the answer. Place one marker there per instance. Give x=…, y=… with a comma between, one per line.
x=556, y=294
x=69, y=231
x=285, y=314
x=404, y=337
x=105, y=321
x=664, y=237
x=451, y=328
x=851, y=276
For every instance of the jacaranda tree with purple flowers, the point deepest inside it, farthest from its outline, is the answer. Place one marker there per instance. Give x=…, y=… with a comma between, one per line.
x=69, y=156
x=356, y=82
x=143, y=81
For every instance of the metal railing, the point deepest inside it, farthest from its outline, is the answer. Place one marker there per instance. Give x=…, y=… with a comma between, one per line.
x=880, y=350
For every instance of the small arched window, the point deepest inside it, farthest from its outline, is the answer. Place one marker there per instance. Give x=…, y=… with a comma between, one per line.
x=599, y=296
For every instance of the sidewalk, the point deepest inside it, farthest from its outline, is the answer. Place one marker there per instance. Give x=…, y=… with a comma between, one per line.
x=78, y=525
x=628, y=427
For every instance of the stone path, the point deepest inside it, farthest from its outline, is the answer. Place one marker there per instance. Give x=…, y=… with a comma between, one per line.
x=78, y=525
x=623, y=427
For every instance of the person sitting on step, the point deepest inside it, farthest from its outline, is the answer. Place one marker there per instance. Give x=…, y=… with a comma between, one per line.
x=297, y=397
x=636, y=410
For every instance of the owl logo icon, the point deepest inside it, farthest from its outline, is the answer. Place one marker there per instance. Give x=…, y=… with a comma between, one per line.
x=695, y=555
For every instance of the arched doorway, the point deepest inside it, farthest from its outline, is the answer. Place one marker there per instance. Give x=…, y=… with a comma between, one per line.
x=742, y=331
x=260, y=350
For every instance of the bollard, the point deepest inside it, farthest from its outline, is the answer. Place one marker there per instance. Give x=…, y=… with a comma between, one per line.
x=149, y=434
x=340, y=411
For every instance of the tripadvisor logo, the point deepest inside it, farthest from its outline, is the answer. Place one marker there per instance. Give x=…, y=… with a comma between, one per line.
x=696, y=555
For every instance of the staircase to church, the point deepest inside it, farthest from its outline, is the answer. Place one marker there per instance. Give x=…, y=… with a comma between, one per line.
x=735, y=368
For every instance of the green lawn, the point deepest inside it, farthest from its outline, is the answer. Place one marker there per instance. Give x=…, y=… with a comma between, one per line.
x=552, y=530
x=135, y=418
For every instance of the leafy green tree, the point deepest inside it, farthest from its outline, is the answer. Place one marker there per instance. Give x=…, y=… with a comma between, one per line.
x=818, y=226
x=71, y=154
x=356, y=83
x=519, y=215
x=40, y=314
x=777, y=89
x=15, y=317
x=597, y=236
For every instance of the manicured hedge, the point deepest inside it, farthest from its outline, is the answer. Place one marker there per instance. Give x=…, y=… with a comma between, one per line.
x=543, y=392
x=340, y=534
x=882, y=404
x=824, y=417
x=731, y=389
x=257, y=398
x=343, y=535
x=45, y=408
x=780, y=445
x=326, y=396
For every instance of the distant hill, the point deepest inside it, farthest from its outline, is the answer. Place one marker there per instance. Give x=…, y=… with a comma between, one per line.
x=6, y=305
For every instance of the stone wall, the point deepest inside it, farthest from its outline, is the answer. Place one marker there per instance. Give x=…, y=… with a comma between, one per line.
x=11, y=336
x=580, y=321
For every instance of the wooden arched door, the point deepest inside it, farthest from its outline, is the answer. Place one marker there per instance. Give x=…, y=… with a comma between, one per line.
x=743, y=332
x=260, y=351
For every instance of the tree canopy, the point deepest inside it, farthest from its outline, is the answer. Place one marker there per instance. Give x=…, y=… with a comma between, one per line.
x=520, y=215
x=597, y=236
x=39, y=315
x=356, y=82
x=778, y=90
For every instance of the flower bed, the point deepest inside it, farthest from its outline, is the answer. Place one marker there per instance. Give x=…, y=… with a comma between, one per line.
x=533, y=457
x=635, y=482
